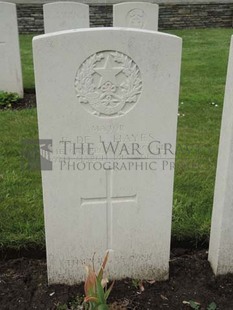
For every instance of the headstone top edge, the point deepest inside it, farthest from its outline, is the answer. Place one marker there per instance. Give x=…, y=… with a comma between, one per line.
x=136, y=3
x=105, y=29
x=65, y=2
x=9, y=4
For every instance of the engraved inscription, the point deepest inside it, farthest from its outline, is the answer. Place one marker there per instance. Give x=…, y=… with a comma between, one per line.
x=109, y=200
x=136, y=18
x=108, y=84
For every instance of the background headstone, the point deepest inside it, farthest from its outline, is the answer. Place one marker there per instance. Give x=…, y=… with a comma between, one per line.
x=142, y=15
x=10, y=63
x=60, y=16
x=111, y=111
x=221, y=237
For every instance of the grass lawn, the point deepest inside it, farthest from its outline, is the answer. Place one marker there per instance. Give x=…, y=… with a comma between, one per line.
x=27, y=61
x=204, y=63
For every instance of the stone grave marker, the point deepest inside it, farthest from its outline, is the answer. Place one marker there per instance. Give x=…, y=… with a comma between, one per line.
x=10, y=63
x=109, y=110
x=221, y=237
x=65, y=15
x=142, y=15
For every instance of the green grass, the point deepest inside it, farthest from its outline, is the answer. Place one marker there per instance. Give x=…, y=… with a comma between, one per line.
x=204, y=63
x=21, y=221
x=27, y=61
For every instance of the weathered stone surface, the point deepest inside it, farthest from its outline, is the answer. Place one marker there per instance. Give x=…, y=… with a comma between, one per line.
x=111, y=111
x=65, y=15
x=221, y=237
x=142, y=15
x=10, y=63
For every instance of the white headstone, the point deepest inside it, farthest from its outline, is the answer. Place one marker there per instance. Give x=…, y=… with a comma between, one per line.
x=10, y=64
x=65, y=15
x=110, y=110
x=221, y=237
x=142, y=15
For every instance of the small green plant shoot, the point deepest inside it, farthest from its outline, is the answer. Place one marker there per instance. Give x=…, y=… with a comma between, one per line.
x=195, y=305
x=95, y=287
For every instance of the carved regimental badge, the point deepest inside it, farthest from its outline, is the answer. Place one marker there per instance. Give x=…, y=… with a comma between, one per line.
x=136, y=18
x=108, y=84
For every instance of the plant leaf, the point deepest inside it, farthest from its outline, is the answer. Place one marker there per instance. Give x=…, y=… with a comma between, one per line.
x=90, y=283
x=194, y=305
x=212, y=306
x=100, y=292
x=100, y=274
x=102, y=307
x=107, y=293
x=90, y=299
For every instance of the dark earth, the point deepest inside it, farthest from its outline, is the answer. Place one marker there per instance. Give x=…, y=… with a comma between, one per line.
x=23, y=285
x=192, y=285
x=29, y=101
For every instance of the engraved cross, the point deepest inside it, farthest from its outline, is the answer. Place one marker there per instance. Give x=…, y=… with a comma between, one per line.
x=109, y=200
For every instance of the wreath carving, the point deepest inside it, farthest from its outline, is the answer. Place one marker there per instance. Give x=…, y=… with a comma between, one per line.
x=108, y=84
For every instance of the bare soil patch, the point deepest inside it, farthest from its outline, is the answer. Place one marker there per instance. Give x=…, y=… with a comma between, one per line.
x=23, y=285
